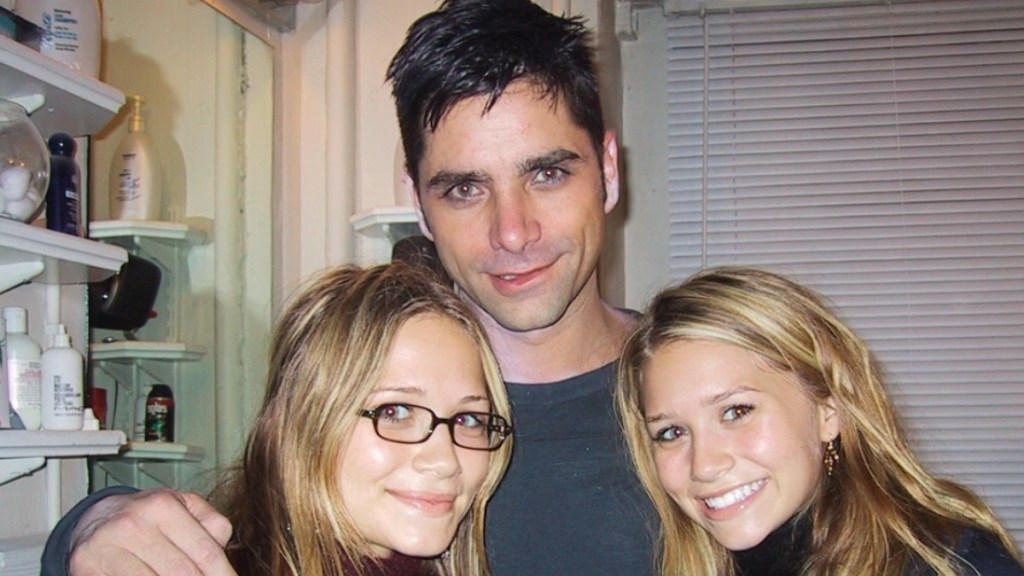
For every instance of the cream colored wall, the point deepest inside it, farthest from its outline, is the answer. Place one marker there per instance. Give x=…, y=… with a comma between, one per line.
x=645, y=251
x=338, y=132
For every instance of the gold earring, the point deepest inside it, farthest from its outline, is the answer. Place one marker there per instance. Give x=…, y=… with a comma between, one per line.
x=831, y=456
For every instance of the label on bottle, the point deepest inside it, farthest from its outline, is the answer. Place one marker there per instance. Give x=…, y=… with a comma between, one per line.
x=70, y=33
x=160, y=420
x=129, y=181
x=25, y=381
x=67, y=397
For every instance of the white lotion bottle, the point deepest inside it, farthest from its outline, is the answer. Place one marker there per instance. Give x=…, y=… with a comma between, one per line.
x=22, y=363
x=63, y=395
x=135, y=172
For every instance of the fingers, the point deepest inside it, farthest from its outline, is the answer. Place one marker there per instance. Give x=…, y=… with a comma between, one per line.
x=215, y=524
x=157, y=532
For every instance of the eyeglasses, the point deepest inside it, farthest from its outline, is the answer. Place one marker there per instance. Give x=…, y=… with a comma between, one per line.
x=412, y=424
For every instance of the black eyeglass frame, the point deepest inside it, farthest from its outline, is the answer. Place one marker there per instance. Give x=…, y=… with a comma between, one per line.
x=496, y=424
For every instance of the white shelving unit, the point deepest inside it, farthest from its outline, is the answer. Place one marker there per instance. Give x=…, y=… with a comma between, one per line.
x=30, y=253
x=132, y=363
x=132, y=351
x=378, y=229
x=58, y=99
x=130, y=233
x=55, y=444
x=162, y=451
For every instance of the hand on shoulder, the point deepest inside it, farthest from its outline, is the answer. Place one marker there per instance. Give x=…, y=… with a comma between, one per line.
x=152, y=532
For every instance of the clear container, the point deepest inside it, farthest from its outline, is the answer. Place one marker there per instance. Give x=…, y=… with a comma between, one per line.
x=24, y=165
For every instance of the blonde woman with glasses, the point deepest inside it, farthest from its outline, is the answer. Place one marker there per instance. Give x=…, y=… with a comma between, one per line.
x=384, y=430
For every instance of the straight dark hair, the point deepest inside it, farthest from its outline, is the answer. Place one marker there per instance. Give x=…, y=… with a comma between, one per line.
x=469, y=48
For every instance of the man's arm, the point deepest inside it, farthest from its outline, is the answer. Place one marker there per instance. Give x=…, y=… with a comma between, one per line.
x=119, y=531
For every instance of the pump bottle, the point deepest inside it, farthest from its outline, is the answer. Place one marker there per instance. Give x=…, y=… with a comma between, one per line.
x=135, y=172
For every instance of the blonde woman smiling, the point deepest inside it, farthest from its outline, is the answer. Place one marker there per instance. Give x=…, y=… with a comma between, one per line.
x=760, y=428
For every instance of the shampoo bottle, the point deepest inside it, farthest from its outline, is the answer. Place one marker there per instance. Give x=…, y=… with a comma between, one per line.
x=135, y=172
x=62, y=196
x=62, y=369
x=23, y=368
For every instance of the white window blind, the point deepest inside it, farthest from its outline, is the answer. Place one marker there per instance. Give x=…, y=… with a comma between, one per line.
x=877, y=154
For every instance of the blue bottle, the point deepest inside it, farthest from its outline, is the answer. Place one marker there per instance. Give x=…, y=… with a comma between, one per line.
x=63, y=195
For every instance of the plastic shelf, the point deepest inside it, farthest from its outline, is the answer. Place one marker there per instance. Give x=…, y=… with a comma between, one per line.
x=57, y=98
x=129, y=351
x=51, y=443
x=32, y=253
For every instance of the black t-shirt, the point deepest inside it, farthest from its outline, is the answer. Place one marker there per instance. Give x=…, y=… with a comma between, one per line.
x=570, y=503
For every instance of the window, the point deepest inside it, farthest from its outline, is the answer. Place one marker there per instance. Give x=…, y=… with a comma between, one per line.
x=877, y=154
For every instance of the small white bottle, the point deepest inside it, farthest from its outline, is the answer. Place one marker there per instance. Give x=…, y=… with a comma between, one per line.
x=139, y=424
x=63, y=369
x=22, y=368
x=135, y=172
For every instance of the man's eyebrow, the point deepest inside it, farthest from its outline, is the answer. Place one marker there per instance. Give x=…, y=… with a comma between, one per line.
x=449, y=178
x=551, y=158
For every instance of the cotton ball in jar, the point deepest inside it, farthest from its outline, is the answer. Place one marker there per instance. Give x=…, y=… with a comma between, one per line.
x=21, y=201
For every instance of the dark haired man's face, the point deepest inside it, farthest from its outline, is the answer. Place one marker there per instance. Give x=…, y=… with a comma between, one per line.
x=515, y=201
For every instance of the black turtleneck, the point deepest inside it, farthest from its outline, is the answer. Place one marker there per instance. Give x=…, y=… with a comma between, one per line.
x=779, y=554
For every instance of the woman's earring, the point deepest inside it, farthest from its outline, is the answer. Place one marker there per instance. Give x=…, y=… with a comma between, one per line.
x=831, y=456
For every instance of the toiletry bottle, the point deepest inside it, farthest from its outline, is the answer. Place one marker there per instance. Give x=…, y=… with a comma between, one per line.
x=160, y=414
x=96, y=400
x=23, y=369
x=5, y=400
x=135, y=172
x=62, y=368
x=63, y=203
x=71, y=31
x=139, y=423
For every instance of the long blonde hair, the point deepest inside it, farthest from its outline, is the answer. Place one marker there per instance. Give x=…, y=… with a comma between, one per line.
x=327, y=353
x=880, y=512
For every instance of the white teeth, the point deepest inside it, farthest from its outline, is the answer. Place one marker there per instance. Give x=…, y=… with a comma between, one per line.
x=508, y=276
x=734, y=496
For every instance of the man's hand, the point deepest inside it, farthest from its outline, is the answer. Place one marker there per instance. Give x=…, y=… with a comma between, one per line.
x=156, y=532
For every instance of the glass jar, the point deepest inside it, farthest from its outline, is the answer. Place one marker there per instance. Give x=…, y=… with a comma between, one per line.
x=24, y=164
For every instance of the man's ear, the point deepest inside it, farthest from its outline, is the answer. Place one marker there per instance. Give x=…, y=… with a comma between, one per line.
x=828, y=420
x=410, y=189
x=610, y=167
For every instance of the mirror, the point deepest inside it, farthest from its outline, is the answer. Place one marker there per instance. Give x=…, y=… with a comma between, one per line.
x=208, y=86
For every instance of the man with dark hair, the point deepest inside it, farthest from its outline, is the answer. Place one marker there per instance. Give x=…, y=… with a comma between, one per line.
x=512, y=173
